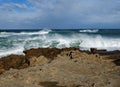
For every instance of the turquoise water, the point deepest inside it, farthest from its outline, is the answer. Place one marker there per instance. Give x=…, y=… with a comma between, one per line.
x=15, y=41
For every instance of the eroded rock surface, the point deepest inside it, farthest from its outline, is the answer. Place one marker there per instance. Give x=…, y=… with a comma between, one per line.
x=12, y=61
x=68, y=67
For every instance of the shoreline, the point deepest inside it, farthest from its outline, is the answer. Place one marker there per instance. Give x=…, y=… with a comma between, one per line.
x=51, y=53
x=101, y=62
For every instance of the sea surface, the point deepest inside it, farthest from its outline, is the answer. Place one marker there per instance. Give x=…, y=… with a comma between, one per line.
x=15, y=41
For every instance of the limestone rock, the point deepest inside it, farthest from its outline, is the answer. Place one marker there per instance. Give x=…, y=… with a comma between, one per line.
x=38, y=60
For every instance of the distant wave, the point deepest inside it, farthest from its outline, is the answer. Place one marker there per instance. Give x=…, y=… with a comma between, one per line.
x=36, y=33
x=89, y=31
x=41, y=32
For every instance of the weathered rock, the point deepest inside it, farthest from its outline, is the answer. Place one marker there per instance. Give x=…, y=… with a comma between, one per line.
x=32, y=57
x=70, y=68
x=2, y=70
x=49, y=53
x=95, y=50
x=12, y=61
x=38, y=60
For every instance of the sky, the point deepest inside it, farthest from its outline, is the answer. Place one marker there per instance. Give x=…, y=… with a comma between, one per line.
x=60, y=14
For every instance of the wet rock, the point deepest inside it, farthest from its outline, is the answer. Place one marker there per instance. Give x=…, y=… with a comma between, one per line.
x=95, y=50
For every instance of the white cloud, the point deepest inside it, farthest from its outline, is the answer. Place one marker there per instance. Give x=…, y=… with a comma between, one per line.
x=81, y=8
x=63, y=12
x=22, y=6
x=6, y=6
x=12, y=6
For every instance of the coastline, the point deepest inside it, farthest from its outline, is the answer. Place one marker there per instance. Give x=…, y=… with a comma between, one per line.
x=67, y=67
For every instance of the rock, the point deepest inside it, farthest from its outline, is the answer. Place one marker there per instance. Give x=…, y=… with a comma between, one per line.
x=50, y=84
x=32, y=57
x=117, y=62
x=12, y=61
x=49, y=53
x=95, y=50
x=38, y=60
x=83, y=70
x=2, y=70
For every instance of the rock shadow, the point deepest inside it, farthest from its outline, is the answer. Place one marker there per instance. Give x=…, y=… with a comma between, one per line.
x=115, y=59
x=117, y=62
x=50, y=84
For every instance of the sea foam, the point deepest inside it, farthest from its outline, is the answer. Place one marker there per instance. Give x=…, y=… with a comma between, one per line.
x=89, y=31
x=17, y=42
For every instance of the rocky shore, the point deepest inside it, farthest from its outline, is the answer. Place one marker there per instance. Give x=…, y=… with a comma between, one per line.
x=67, y=67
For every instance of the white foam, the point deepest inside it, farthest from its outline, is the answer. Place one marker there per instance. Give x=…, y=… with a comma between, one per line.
x=89, y=31
x=4, y=34
x=83, y=41
x=41, y=32
x=36, y=33
x=18, y=50
x=100, y=42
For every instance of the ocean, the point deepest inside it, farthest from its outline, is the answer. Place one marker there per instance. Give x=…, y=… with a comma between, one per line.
x=15, y=41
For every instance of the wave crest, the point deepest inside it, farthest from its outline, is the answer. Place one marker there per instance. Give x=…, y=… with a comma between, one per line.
x=43, y=39
x=89, y=31
x=36, y=33
x=41, y=32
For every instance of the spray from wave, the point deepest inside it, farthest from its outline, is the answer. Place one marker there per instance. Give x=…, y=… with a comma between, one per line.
x=16, y=42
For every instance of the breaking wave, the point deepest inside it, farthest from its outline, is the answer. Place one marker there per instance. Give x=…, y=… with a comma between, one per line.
x=16, y=43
